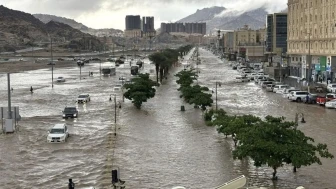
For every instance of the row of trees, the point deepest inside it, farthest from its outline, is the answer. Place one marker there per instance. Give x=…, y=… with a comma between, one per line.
x=165, y=59
x=271, y=141
x=193, y=94
x=141, y=87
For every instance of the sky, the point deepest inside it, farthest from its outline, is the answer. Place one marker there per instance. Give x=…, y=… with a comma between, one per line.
x=111, y=13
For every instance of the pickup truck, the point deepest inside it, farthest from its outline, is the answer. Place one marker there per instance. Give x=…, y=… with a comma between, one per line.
x=321, y=100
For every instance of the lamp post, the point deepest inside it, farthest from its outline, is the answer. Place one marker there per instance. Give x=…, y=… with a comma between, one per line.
x=309, y=63
x=100, y=68
x=115, y=115
x=218, y=35
x=219, y=84
x=52, y=63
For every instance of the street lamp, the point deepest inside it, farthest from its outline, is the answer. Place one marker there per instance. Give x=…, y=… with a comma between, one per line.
x=100, y=68
x=51, y=63
x=219, y=84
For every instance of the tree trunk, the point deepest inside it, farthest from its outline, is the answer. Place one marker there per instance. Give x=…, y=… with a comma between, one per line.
x=294, y=169
x=157, y=72
x=274, y=173
x=161, y=74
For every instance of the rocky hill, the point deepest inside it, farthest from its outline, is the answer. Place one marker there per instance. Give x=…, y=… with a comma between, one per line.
x=19, y=30
x=45, y=18
x=227, y=19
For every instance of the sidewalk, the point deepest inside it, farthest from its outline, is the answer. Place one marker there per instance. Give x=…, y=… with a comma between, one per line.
x=293, y=82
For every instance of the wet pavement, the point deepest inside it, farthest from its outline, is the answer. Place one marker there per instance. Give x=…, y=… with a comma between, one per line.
x=155, y=147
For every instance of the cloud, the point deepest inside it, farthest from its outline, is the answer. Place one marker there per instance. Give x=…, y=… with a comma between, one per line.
x=111, y=13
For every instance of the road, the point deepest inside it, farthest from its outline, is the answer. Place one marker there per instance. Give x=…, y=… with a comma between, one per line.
x=155, y=147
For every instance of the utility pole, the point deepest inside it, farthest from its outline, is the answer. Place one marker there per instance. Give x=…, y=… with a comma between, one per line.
x=216, y=97
x=309, y=63
x=9, y=97
x=115, y=115
x=80, y=71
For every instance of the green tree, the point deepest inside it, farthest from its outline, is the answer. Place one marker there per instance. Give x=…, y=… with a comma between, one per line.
x=140, y=90
x=186, y=77
x=158, y=58
x=274, y=142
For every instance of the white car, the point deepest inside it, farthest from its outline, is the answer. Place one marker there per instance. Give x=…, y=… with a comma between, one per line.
x=59, y=133
x=297, y=96
x=279, y=87
x=330, y=104
x=242, y=79
x=286, y=92
x=331, y=87
x=83, y=98
x=60, y=79
x=117, y=88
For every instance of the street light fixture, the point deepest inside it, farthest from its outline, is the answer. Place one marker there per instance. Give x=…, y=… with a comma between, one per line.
x=100, y=68
x=219, y=84
x=51, y=63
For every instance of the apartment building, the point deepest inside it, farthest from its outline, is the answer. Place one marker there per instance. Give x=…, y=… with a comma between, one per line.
x=248, y=43
x=312, y=39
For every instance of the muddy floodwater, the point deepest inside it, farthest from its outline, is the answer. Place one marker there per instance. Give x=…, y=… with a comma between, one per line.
x=155, y=147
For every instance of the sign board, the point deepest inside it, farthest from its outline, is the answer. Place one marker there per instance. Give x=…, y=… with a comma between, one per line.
x=232, y=57
x=15, y=113
x=276, y=59
x=328, y=66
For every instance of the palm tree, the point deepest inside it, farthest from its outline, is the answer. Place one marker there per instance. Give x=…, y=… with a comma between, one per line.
x=158, y=58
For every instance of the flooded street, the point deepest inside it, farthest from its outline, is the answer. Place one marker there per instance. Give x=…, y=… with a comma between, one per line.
x=155, y=147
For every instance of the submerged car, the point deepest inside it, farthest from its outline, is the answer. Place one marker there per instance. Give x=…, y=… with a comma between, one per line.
x=59, y=133
x=60, y=79
x=70, y=112
x=83, y=98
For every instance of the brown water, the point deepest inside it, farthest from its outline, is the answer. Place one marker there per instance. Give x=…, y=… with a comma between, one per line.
x=156, y=147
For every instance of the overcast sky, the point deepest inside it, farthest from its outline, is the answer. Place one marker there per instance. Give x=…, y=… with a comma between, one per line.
x=111, y=13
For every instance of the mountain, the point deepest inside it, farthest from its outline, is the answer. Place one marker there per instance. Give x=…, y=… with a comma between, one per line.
x=203, y=15
x=228, y=19
x=19, y=30
x=45, y=18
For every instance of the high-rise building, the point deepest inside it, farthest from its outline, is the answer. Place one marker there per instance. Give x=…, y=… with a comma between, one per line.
x=133, y=22
x=148, y=26
x=191, y=28
x=312, y=39
x=276, y=40
x=133, y=26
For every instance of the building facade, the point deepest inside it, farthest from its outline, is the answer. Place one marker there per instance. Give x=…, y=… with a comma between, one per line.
x=276, y=33
x=246, y=42
x=136, y=27
x=312, y=39
x=191, y=28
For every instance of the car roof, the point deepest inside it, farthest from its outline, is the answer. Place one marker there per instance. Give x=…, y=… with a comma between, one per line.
x=59, y=126
x=84, y=94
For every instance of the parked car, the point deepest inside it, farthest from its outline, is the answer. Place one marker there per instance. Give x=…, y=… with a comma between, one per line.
x=286, y=93
x=83, y=98
x=60, y=79
x=321, y=100
x=331, y=87
x=242, y=79
x=58, y=133
x=331, y=104
x=269, y=87
x=311, y=99
x=265, y=83
x=277, y=87
x=297, y=96
x=70, y=112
